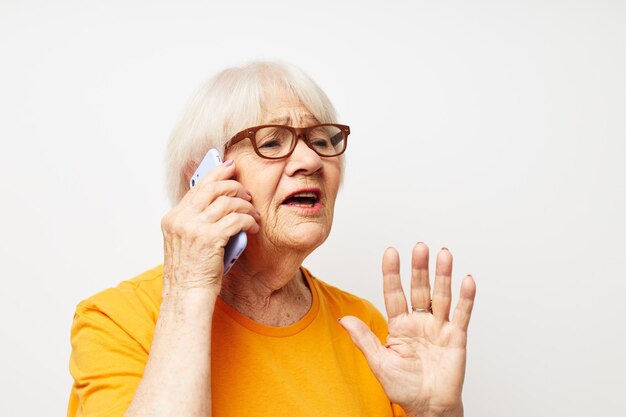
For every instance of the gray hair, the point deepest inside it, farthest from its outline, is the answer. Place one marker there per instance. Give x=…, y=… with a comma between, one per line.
x=228, y=103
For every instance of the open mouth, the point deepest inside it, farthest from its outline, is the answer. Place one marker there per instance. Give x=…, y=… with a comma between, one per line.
x=302, y=198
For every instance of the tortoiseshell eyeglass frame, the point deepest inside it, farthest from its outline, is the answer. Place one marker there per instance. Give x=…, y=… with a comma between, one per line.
x=297, y=133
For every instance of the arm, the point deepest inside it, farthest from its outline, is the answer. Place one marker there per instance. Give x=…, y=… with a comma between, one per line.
x=177, y=377
x=422, y=366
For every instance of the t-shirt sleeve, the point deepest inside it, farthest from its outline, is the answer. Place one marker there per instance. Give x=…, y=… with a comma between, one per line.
x=106, y=363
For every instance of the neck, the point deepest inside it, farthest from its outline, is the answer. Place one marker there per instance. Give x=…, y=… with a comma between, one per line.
x=268, y=292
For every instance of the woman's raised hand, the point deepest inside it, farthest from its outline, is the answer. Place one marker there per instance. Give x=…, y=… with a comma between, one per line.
x=422, y=366
x=197, y=229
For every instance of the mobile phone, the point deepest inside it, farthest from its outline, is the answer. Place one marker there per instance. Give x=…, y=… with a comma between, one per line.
x=237, y=243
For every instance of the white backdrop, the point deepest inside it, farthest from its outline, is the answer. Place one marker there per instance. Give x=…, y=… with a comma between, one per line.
x=495, y=128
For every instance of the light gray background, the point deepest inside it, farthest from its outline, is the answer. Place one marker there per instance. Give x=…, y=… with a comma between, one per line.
x=495, y=128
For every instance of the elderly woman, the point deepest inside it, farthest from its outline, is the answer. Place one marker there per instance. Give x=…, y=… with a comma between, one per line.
x=267, y=338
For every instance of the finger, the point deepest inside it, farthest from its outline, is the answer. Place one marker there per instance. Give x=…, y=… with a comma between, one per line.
x=420, y=281
x=442, y=294
x=202, y=196
x=234, y=223
x=395, y=301
x=364, y=339
x=463, y=310
x=224, y=205
x=223, y=171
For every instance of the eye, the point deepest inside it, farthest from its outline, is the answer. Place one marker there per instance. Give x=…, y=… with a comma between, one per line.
x=270, y=143
x=320, y=143
x=327, y=140
x=271, y=137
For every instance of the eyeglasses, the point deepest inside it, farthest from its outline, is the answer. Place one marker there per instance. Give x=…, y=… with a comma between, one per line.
x=278, y=141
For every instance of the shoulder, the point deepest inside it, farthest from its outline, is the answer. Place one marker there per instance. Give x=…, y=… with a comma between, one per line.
x=144, y=287
x=111, y=336
x=342, y=303
x=132, y=307
x=337, y=296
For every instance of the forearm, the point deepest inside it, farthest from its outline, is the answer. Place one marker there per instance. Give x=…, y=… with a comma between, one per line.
x=177, y=377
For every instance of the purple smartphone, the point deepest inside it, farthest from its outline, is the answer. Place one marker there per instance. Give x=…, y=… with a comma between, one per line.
x=237, y=243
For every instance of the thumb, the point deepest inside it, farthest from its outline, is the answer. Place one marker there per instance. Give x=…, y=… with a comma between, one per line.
x=364, y=339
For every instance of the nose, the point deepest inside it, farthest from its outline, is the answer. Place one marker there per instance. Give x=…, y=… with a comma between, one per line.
x=303, y=160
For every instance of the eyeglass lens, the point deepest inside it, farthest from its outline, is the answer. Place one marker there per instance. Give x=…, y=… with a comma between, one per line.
x=275, y=142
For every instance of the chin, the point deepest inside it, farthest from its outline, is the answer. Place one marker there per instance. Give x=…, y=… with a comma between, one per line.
x=302, y=237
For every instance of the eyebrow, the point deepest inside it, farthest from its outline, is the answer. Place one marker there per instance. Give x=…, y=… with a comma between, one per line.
x=287, y=120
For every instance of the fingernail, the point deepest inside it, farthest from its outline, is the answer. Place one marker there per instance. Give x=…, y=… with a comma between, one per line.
x=249, y=193
x=228, y=162
x=258, y=213
x=444, y=248
x=470, y=275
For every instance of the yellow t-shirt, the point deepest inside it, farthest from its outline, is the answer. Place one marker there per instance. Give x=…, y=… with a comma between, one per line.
x=310, y=368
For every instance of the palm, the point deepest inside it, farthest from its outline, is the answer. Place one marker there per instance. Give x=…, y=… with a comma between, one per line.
x=424, y=361
x=422, y=365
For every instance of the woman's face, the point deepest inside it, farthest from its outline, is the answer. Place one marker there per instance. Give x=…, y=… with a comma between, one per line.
x=290, y=222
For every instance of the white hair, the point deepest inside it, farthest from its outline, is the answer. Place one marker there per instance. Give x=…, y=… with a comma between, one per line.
x=228, y=103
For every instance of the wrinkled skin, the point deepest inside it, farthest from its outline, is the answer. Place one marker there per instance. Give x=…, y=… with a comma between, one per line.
x=422, y=365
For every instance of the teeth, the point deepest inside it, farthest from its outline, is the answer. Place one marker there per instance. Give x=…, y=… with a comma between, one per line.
x=308, y=194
